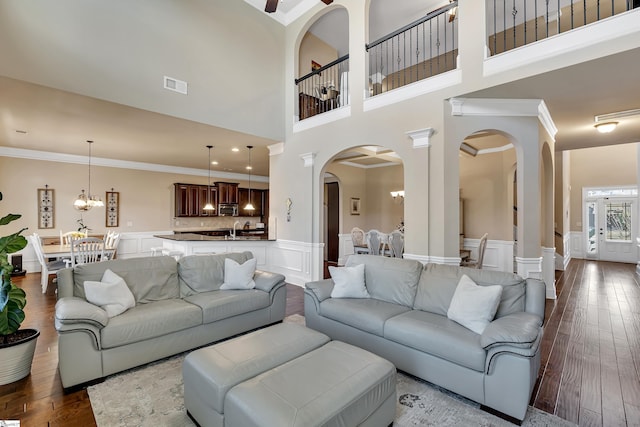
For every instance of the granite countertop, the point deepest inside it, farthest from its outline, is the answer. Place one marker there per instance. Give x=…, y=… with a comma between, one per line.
x=193, y=237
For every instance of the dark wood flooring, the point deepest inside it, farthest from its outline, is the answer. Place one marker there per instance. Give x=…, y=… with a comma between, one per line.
x=590, y=353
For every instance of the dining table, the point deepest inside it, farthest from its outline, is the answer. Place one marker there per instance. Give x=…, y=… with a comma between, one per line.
x=63, y=251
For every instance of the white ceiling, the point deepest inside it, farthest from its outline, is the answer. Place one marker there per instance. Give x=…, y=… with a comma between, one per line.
x=58, y=121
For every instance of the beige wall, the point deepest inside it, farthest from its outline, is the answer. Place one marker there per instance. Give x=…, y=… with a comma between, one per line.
x=314, y=49
x=600, y=167
x=372, y=186
x=146, y=198
x=484, y=187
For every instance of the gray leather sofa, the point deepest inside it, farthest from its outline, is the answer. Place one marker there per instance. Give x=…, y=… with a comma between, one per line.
x=179, y=306
x=405, y=321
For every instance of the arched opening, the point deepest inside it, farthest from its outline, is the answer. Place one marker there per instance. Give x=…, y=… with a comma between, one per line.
x=323, y=65
x=366, y=177
x=488, y=195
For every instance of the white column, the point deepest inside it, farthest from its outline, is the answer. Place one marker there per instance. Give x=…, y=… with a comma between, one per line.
x=529, y=267
x=549, y=271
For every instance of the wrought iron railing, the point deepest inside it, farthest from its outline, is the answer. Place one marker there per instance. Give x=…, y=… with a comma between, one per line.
x=515, y=23
x=324, y=89
x=421, y=49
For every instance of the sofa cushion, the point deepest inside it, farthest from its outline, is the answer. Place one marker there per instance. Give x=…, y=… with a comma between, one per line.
x=389, y=279
x=204, y=273
x=239, y=276
x=149, y=278
x=348, y=282
x=437, y=335
x=110, y=293
x=438, y=282
x=217, y=305
x=474, y=306
x=150, y=320
x=368, y=315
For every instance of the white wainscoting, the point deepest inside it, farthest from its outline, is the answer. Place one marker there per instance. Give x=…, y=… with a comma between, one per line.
x=498, y=255
x=577, y=244
x=295, y=260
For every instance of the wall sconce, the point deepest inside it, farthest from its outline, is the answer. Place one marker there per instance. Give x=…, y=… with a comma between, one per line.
x=397, y=194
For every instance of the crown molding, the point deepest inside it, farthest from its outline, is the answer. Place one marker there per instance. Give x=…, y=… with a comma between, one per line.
x=46, y=156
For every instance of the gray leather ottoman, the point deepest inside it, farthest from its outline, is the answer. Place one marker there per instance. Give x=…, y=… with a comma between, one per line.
x=288, y=375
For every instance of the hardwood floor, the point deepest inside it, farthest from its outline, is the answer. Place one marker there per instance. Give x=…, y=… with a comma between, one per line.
x=590, y=353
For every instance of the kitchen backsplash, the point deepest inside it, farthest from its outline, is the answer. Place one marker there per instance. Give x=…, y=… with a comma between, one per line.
x=185, y=224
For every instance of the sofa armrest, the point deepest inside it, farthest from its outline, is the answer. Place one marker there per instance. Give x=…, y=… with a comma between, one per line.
x=65, y=283
x=266, y=281
x=321, y=289
x=517, y=330
x=535, y=297
x=73, y=310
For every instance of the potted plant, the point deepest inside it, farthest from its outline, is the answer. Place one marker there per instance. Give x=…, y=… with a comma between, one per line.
x=17, y=346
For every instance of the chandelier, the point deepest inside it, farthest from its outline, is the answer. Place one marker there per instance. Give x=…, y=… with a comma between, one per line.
x=84, y=202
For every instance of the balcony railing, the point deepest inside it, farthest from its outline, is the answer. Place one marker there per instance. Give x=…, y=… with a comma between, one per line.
x=419, y=50
x=324, y=89
x=515, y=23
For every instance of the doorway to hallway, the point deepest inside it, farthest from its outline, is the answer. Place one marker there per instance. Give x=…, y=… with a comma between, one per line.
x=610, y=223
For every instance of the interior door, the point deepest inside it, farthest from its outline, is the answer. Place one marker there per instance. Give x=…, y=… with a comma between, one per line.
x=611, y=229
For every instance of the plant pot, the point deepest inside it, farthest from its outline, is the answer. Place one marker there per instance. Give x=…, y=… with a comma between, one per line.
x=16, y=357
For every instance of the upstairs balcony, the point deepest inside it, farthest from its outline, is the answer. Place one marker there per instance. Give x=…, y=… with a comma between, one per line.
x=428, y=47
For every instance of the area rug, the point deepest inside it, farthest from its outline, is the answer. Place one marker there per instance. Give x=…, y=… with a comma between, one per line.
x=152, y=395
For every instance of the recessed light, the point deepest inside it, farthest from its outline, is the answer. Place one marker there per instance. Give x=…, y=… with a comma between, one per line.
x=214, y=162
x=235, y=149
x=249, y=168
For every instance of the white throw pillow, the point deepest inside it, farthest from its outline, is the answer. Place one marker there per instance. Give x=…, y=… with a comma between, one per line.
x=348, y=282
x=111, y=294
x=474, y=306
x=239, y=276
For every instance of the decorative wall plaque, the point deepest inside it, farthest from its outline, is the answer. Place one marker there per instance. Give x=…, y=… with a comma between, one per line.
x=45, y=207
x=113, y=208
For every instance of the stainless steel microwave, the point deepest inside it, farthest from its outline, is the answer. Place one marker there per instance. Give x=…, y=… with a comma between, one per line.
x=227, y=209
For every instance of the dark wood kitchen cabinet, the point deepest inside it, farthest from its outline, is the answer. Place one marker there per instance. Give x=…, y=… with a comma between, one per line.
x=256, y=201
x=227, y=192
x=191, y=198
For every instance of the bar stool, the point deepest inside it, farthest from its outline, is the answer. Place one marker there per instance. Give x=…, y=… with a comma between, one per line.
x=175, y=254
x=157, y=251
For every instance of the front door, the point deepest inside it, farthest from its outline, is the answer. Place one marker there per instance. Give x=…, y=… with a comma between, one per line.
x=610, y=219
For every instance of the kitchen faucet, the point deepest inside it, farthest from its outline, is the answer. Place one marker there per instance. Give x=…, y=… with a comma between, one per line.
x=233, y=233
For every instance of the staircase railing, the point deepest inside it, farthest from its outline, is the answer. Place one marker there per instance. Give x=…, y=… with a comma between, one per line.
x=515, y=23
x=421, y=49
x=324, y=88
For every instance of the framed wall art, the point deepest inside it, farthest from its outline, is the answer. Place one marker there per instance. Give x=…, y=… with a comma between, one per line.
x=355, y=206
x=46, y=214
x=113, y=208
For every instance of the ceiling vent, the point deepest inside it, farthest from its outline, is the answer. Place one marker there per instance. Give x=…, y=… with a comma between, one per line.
x=175, y=85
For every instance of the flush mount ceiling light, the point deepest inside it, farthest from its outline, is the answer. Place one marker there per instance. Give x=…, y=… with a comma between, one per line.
x=84, y=202
x=249, y=206
x=606, y=127
x=606, y=123
x=209, y=206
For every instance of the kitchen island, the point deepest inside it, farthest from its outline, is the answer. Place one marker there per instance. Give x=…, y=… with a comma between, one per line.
x=193, y=244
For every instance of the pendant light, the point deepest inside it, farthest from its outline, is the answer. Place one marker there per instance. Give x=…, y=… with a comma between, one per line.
x=209, y=206
x=84, y=202
x=249, y=206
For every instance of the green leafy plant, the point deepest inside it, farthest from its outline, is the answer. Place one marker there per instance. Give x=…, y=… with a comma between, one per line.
x=12, y=298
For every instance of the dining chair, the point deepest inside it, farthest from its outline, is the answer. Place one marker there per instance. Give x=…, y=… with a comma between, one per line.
x=377, y=242
x=111, y=241
x=358, y=239
x=396, y=243
x=477, y=263
x=87, y=250
x=46, y=267
x=66, y=238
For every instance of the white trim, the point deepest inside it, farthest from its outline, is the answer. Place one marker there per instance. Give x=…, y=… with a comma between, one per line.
x=577, y=244
x=494, y=150
x=623, y=25
x=422, y=258
x=422, y=87
x=498, y=255
x=275, y=149
x=308, y=159
x=529, y=267
x=322, y=119
x=421, y=137
x=549, y=271
x=505, y=108
x=47, y=156
x=358, y=165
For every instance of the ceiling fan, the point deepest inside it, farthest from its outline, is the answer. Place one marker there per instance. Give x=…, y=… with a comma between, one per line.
x=272, y=5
